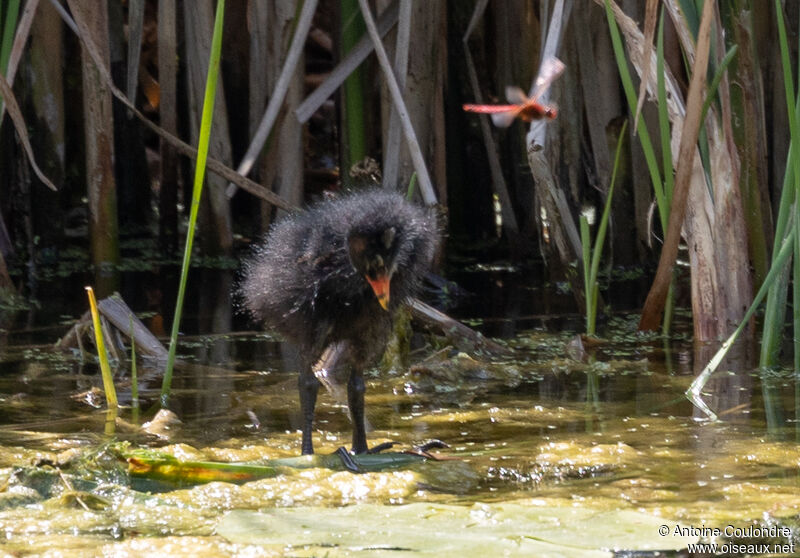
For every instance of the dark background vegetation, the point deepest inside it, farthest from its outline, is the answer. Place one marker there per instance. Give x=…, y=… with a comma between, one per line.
x=138, y=187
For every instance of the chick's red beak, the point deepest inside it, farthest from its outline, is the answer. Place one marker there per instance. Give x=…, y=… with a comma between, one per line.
x=380, y=286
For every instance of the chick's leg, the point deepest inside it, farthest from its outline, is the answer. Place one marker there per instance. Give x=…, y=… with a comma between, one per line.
x=308, y=386
x=355, y=402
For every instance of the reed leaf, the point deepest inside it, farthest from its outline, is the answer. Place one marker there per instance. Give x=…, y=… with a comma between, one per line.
x=412, y=182
x=603, y=226
x=102, y=353
x=591, y=254
x=712, y=88
x=650, y=17
x=586, y=242
x=652, y=311
x=7, y=37
x=691, y=14
x=775, y=311
x=591, y=263
x=354, y=143
x=197, y=190
x=775, y=307
x=702, y=143
x=641, y=128
x=794, y=161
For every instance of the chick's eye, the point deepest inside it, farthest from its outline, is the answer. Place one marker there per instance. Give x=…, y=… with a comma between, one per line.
x=388, y=237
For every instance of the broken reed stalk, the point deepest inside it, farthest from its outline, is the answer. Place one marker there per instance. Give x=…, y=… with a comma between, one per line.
x=654, y=304
x=23, y=31
x=392, y=149
x=347, y=65
x=387, y=19
x=425, y=184
x=22, y=130
x=666, y=160
x=182, y=147
x=135, y=25
x=278, y=95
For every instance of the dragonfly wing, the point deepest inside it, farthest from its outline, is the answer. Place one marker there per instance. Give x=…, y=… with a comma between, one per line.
x=516, y=95
x=551, y=69
x=504, y=119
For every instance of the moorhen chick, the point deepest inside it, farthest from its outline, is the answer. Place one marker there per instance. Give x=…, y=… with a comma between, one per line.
x=329, y=279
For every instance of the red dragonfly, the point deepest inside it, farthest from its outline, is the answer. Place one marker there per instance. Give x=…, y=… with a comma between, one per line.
x=524, y=108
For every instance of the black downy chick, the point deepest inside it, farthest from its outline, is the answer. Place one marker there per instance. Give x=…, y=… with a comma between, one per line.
x=332, y=277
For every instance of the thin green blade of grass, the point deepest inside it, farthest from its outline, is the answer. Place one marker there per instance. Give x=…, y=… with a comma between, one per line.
x=355, y=146
x=197, y=190
x=650, y=18
x=705, y=156
x=796, y=301
x=775, y=308
x=592, y=255
x=712, y=88
x=586, y=243
x=102, y=354
x=788, y=83
x=641, y=129
x=603, y=226
x=7, y=38
x=691, y=12
x=411, y=185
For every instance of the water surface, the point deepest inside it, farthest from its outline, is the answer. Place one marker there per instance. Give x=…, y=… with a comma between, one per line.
x=549, y=427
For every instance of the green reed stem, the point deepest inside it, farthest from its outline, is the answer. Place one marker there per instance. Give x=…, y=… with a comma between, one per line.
x=102, y=354
x=197, y=190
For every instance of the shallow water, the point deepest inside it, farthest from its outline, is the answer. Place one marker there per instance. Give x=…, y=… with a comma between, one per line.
x=550, y=428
